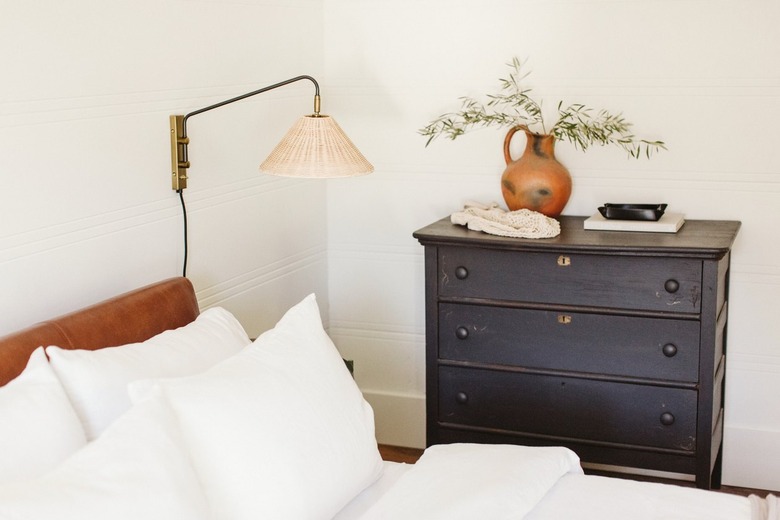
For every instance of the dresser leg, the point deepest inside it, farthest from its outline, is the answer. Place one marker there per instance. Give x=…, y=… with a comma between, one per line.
x=715, y=480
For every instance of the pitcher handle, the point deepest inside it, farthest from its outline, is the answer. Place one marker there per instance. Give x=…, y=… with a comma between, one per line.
x=508, y=139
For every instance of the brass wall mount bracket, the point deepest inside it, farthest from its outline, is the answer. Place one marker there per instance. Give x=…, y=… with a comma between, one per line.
x=179, y=161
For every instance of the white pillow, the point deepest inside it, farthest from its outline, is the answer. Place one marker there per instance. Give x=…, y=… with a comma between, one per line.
x=135, y=471
x=38, y=426
x=96, y=380
x=279, y=430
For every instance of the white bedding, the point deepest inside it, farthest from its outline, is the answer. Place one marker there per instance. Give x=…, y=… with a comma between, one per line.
x=467, y=481
x=391, y=472
x=280, y=430
x=590, y=497
x=402, y=493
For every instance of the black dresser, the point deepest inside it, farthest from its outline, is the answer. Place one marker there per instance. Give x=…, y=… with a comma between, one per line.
x=611, y=343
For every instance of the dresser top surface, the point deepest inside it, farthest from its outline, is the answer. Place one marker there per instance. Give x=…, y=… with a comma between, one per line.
x=699, y=238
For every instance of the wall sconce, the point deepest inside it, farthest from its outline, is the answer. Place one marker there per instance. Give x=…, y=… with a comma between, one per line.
x=314, y=147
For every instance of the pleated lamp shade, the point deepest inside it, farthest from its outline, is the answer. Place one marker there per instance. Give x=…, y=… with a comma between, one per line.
x=316, y=147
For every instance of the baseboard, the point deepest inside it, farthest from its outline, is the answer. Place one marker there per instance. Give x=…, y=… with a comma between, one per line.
x=750, y=458
x=399, y=418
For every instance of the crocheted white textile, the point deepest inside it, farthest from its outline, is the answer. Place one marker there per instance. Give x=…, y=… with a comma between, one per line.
x=522, y=223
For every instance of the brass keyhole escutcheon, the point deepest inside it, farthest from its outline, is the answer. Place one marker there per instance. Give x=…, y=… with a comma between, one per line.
x=564, y=319
x=564, y=261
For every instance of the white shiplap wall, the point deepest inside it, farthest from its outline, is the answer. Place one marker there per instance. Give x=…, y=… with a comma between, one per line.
x=87, y=208
x=702, y=75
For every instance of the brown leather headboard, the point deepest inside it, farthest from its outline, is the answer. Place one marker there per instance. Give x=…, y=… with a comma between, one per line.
x=128, y=318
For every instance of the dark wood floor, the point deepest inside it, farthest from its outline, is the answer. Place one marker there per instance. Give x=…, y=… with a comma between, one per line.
x=398, y=454
x=410, y=456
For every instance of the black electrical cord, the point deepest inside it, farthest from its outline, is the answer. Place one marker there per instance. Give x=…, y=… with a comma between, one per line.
x=184, y=218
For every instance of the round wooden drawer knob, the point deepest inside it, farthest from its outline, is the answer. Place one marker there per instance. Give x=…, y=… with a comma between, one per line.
x=667, y=419
x=462, y=397
x=669, y=350
x=461, y=273
x=462, y=333
x=671, y=286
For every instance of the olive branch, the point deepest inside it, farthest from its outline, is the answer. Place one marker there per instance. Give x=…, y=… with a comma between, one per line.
x=513, y=106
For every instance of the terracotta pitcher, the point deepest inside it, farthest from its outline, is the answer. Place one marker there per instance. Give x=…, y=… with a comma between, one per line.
x=536, y=180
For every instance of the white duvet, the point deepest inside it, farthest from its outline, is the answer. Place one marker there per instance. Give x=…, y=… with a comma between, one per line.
x=591, y=497
x=468, y=481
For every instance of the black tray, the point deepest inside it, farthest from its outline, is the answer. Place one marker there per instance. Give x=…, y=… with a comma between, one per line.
x=632, y=211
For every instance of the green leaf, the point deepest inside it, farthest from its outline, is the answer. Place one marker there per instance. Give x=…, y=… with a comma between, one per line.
x=513, y=106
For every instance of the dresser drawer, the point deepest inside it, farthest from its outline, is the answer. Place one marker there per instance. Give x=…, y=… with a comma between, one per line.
x=625, y=282
x=656, y=348
x=569, y=407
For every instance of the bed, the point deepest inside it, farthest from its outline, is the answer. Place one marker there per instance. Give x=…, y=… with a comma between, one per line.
x=142, y=406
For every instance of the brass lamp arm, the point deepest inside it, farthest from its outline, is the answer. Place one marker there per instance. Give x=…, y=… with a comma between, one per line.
x=254, y=93
x=178, y=123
